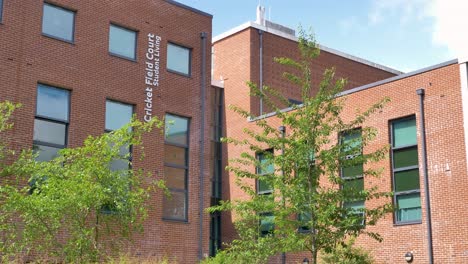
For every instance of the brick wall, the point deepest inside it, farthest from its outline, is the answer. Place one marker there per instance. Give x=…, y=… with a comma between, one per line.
x=93, y=75
x=445, y=141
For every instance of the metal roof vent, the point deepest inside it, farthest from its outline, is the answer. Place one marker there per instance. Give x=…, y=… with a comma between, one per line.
x=260, y=15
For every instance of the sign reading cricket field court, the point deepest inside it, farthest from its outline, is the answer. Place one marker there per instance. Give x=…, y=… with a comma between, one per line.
x=152, y=59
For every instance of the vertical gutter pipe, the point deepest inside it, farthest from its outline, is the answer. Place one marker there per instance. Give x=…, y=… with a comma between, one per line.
x=420, y=92
x=203, y=36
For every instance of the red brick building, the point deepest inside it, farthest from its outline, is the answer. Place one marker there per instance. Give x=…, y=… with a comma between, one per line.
x=246, y=53
x=80, y=68
x=83, y=67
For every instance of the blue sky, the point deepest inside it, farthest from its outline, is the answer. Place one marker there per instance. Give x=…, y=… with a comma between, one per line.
x=403, y=34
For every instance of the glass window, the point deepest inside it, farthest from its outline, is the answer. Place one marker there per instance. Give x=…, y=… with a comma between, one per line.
x=176, y=167
x=267, y=224
x=266, y=167
x=58, y=22
x=304, y=219
x=405, y=158
x=353, y=175
x=51, y=132
x=1, y=10
x=175, y=206
x=406, y=180
x=45, y=153
x=117, y=115
x=176, y=129
x=174, y=177
x=405, y=170
x=404, y=132
x=178, y=59
x=52, y=102
x=122, y=42
x=409, y=207
x=174, y=155
x=51, y=122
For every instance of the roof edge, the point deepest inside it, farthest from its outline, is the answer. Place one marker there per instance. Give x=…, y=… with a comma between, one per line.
x=294, y=38
x=367, y=86
x=189, y=8
x=399, y=77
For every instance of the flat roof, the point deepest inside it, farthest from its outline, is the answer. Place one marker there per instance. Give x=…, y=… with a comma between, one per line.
x=294, y=38
x=189, y=8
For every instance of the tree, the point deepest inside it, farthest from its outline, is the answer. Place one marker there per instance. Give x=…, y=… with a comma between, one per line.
x=75, y=207
x=316, y=197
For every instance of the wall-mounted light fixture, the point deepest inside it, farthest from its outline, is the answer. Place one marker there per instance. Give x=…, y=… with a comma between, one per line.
x=409, y=257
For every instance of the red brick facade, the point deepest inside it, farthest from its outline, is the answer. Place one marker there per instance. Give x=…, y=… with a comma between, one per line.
x=86, y=68
x=237, y=59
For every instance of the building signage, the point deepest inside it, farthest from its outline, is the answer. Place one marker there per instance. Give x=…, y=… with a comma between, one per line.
x=152, y=58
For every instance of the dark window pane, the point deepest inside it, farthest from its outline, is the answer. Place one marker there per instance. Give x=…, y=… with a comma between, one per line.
x=404, y=132
x=355, y=185
x=49, y=132
x=405, y=157
x=52, y=102
x=178, y=59
x=58, y=22
x=407, y=180
x=263, y=186
x=117, y=115
x=266, y=163
x=352, y=171
x=45, y=153
x=304, y=219
x=122, y=41
x=174, y=177
x=175, y=155
x=176, y=129
x=174, y=206
x=352, y=140
x=267, y=224
x=1, y=10
x=409, y=207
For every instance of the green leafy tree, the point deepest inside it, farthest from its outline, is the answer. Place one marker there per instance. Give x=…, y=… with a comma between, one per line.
x=75, y=207
x=316, y=181
x=347, y=253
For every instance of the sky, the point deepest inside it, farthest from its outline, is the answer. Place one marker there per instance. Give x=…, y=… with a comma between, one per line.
x=406, y=35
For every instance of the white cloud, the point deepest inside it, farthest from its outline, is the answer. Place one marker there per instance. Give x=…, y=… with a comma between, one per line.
x=448, y=17
x=450, y=25
x=405, y=9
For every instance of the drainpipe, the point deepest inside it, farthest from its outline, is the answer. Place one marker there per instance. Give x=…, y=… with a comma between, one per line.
x=260, y=34
x=282, y=129
x=203, y=36
x=420, y=92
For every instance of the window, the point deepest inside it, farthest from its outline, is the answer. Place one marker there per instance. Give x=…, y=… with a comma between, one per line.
x=178, y=59
x=58, y=22
x=267, y=224
x=266, y=167
x=176, y=167
x=51, y=121
x=1, y=10
x=353, y=172
x=118, y=115
x=405, y=170
x=122, y=42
